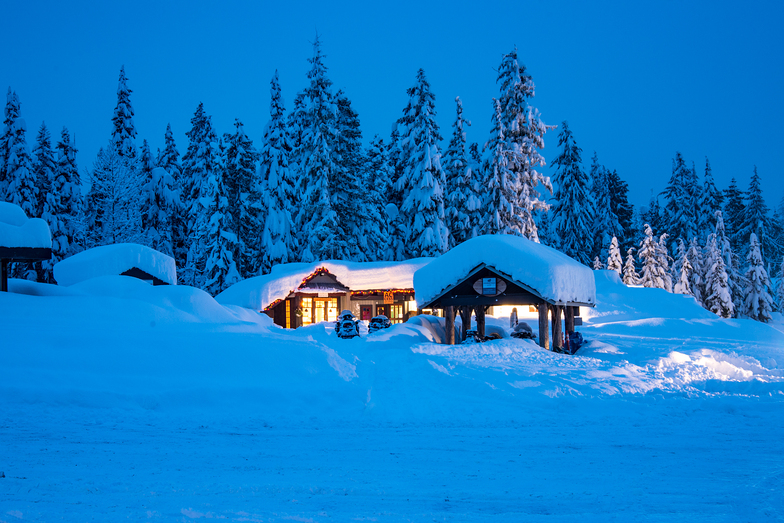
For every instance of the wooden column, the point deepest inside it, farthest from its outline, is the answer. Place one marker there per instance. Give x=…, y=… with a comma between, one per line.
x=3, y=275
x=569, y=319
x=480, y=321
x=557, y=332
x=465, y=314
x=544, y=326
x=449, y=324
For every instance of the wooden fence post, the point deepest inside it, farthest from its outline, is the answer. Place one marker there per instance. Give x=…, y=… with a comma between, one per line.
x=544, y=326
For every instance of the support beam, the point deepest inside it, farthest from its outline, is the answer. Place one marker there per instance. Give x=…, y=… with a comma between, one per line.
x=480, y=321
x=449, y=324
x=544, y=326
x=557, y=328
x=569, y=318
x=3, y=275
x=465, y=315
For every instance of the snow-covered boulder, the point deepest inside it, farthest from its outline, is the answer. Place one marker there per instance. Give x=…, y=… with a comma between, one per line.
x=114, y=260
x=553, y=275
x=19, y=231
x=259, y=292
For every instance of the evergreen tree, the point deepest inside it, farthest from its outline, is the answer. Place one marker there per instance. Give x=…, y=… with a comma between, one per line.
x=159, y=204
x=780, y=287
x=605, y=222
x=423, y=178
x=756, y=219
x=523, y=132
x=198, y=169
x=397, y=227
x=758, y=303
x=220, y=269
x=277, y=240
x=630, y=276
x=69, y=238
x=683, y=269
x=597, y=264
x=499, y=183
x=614, y=261
x=718, y=298
x=347, y=182
x=621, y=208
x=711, y=201
x=664, y=262
x=11, y=114
x=169, y=160
x=48, y=207
x=375, y=228
x=459, y=191
x=734, y=211
x=654, y=275
x=573, y=212
x=245, y=209
x=22, y=190
x=547, y=236
x=679, y=215
x=124, y=131
x=696, y=280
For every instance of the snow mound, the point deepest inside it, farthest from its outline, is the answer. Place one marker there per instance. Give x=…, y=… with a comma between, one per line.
x=17, y=231
x=553, y=275
x=113, y=260
x=259, y=292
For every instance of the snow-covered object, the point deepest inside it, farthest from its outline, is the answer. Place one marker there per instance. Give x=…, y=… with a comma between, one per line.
x=260, y=292
x=18, y=231
x=113, y=260
x=553, y=275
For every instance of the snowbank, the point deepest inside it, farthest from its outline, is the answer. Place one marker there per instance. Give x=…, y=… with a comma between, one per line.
x=553, y=275
x=259, y=292
x=17, y=231
x=113, y=260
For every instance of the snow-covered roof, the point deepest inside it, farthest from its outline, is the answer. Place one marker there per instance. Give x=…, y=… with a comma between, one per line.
x=19, y=231
x=113, y=260
x=261, y=291
x=554, y=276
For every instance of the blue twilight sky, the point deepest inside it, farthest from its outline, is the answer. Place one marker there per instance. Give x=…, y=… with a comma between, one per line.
x=637, y=81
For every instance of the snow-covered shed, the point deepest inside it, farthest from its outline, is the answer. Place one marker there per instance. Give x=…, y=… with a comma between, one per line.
x=297, y=294
x=22, y=239
x=506, y=270
x=124, y=259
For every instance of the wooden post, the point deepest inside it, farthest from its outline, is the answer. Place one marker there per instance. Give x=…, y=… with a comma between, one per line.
x=3, y=275
x=569, y=319
x=557, y=333
x=480, y=321
x=465, y=314
x=544, y=326
x=449, y=324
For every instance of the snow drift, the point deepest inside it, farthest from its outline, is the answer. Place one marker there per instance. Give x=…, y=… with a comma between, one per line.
x=113, y=260
x=19, y=231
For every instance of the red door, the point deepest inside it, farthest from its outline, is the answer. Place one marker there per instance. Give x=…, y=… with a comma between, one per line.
x=366, y=312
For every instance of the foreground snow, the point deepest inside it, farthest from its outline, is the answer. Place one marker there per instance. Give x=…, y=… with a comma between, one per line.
x=122, y=400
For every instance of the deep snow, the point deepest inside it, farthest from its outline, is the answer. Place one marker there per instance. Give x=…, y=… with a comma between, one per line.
x=125, y=401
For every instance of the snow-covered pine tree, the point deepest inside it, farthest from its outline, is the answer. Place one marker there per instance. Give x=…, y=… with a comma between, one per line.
x=377, y=177
x=605, y=222
x=245, y=209
x=758, y=303
x=678, y=207
x=621, y=208
x=348, y=183
x=20, y=178
x=112, y=203
x=198, y=168
x=718, y=298
x=664, y=262
x=160, y=202
x=734, y=211
x=614, y=261
x=523, y=131
x=67, y=185
x=696, y=278
x=630, y=276
x=683, y=270
x=653, y=273
x=169, y=161
x=756, y=219
x=44, y=166
x=544, y=229
x=710, y=202
x=459, y=191
x=597, y=264
x=573, y=211
x=780, y=287
x=11, y=113
x=397, y=229
x=423, y=178
x=124, y=131
x=498, y=184
x=220, y=269
x=277, y=186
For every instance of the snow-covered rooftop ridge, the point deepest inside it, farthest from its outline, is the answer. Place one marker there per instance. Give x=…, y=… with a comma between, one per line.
x=552, y=274
x=19, y=231
x=259, y=292
x=113, y=260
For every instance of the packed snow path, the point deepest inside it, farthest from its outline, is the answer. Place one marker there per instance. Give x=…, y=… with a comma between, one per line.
x=125, y=401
